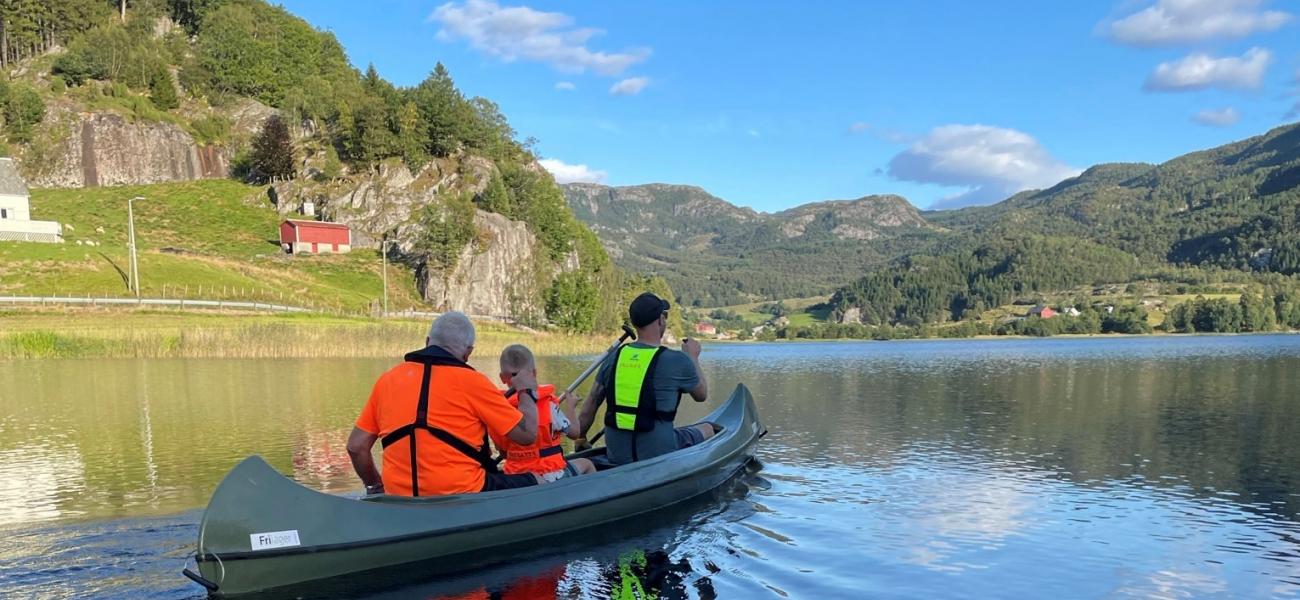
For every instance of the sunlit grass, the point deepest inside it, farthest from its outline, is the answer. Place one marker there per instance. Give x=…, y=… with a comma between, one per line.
x=161, y=334
x=212, y=239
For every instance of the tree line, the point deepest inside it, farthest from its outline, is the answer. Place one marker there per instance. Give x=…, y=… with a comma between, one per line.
x=1272, y=310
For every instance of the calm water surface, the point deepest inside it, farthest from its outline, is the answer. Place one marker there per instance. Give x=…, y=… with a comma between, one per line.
x=1133, y=467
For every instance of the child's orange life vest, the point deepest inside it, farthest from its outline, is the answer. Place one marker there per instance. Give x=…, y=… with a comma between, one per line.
x=544, y=455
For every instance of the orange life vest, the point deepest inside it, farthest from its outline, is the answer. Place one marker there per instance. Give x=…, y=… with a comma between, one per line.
x=544, y=455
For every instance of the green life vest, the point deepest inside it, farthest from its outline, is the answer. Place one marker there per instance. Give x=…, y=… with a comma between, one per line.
x=630, y=400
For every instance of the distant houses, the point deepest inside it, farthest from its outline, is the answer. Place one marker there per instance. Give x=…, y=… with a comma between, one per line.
x=315, y=237
x=706, y=329
x=16, y=222
x=1042, y=312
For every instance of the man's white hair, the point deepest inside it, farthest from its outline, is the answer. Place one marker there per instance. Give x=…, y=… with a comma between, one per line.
x=453, y=332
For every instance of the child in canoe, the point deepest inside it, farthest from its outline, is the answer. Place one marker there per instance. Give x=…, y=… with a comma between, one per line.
x=555, y=418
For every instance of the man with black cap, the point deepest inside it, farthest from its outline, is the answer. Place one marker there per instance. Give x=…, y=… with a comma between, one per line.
x=641, y=386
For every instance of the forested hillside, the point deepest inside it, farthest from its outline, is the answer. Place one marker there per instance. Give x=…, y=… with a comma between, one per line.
x=278, y=98
x=1226, y=215
x=714, y=253
x=1224, y=222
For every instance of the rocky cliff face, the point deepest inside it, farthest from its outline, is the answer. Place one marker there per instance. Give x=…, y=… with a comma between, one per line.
x=499, y=273
x=104, y=148
x=495, y=274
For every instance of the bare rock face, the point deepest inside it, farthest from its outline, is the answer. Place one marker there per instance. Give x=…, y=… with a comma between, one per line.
x=501, y=271
x=495, y=274
x=97, y=149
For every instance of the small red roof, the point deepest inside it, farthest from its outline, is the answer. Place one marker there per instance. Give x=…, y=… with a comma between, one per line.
x=318, y=224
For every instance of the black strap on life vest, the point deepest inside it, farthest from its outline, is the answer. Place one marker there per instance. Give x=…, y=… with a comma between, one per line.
x=430, y=357
x=646, y=410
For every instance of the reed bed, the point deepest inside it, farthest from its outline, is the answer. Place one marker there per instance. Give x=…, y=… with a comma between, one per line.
x=231, y=336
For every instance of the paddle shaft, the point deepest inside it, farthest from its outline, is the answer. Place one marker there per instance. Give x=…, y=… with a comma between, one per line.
x=627, y=333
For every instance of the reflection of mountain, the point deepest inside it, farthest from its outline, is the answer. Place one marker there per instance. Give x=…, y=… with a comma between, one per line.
x=1176, y=415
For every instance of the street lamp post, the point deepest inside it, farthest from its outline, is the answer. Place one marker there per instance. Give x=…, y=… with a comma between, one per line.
x=135, y=265
x=383, y=249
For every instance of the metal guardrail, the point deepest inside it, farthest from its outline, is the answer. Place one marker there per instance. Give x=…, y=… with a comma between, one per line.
x=216, y=304
x=176, y=302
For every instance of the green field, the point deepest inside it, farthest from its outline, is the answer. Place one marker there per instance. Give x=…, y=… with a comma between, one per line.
x=212, y=239
x=796, y=308
x=98, y=333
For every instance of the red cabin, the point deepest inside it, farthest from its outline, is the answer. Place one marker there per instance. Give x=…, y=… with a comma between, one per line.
x=314, y=237
x=1043, y=312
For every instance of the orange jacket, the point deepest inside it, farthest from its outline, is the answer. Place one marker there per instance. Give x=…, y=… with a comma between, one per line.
x=544, y=455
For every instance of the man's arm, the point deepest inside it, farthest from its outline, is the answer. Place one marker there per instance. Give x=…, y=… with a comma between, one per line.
x=526, y=431
x=363, y=462
x=566, y=406
x=588, y=414
x=692, y=349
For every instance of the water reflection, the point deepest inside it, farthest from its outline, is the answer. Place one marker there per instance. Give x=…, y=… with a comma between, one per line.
x=1156, y=467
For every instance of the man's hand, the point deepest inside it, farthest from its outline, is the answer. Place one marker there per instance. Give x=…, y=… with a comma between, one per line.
x=524, y=380
x=691, y=347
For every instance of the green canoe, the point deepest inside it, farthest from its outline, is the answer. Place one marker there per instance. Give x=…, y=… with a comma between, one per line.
x=262, y=531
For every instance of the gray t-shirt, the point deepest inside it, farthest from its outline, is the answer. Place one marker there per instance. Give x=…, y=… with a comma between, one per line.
x=674, y=375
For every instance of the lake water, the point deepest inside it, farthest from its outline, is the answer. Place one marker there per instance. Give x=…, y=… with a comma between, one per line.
x=1115, y=467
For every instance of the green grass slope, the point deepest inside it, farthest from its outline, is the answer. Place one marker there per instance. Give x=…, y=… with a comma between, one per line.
x=213, y=239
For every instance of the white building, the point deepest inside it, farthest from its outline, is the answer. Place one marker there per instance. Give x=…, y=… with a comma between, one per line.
x=16, y=222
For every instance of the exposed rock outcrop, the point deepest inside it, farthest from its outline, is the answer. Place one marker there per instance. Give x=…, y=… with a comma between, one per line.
x=499, y=273
x=495, y=274
x=90, y=149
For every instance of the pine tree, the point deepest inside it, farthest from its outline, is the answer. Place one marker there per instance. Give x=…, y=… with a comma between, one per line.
x=162, y=92
x=411, y=137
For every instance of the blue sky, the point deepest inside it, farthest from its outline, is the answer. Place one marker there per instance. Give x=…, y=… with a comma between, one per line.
x=774, y=104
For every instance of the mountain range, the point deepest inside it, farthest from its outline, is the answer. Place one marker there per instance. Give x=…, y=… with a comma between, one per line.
x=715, y=253
x=1234, y=208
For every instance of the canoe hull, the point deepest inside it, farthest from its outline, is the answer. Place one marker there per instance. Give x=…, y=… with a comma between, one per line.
x=340, y=536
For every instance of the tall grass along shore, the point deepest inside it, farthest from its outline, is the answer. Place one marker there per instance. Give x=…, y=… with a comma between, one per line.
x=164, y=334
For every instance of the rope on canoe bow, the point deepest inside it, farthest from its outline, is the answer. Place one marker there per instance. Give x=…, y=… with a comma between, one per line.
x=201, y=580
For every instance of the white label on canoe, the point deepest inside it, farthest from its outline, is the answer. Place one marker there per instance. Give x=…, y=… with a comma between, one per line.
x=274, y=539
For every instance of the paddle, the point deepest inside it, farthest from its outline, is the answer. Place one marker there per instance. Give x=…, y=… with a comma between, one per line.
x=627, y=334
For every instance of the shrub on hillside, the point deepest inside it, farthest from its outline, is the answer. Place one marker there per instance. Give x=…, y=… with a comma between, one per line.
x=162, y=91
x=23, y=109
x=273, y=152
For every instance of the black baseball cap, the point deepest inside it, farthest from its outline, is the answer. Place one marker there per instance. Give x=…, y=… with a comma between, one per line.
x=646, y=309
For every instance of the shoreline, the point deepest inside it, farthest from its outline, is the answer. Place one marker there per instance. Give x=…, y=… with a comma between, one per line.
x=145, y=333
x=1076, y=336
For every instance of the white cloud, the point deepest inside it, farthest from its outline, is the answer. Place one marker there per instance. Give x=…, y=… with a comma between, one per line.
x=990, y=162
x=513, y=33
x=859, y=127
x=1201, y=71
x=1175, y=22
x=567, y=173
x=1223, y=117
x=630, y=86
x=565, y=86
